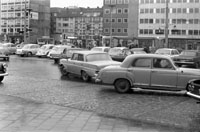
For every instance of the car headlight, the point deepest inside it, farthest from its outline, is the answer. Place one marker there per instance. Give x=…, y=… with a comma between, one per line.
x=5, y=66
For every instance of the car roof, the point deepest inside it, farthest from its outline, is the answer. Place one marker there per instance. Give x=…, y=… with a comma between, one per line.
x=86, y=52
x=166, y=49
x=119, y=48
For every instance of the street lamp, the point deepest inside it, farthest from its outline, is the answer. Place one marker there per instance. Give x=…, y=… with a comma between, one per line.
x=167, y=23
x=111, y=10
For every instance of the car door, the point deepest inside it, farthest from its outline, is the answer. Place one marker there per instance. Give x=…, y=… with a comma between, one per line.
x=141, y=70
x=79, y=64
x=163, y=74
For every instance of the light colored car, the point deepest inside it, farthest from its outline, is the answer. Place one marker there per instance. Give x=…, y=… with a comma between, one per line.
x=138, y=51
x=67, y=52
x=28, y=50
x=8, y=48
x=56, y=52
x=44, y=50
x=148, y=71
x=167, y=51
x=102, y=49
x=119, y=53
x=86, y=63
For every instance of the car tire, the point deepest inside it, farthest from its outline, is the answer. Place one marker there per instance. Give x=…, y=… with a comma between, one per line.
x=122, y=86
x=63, y=70
x=56, y=61
x=29, y=54
x=1, y=78
x=85, y=76
x=189, y=87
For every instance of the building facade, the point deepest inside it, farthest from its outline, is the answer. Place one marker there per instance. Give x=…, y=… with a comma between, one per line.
x=31, y=16
x=120, y=21
x=183, y=26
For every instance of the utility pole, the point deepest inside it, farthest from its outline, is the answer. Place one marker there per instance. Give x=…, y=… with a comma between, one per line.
x=25, y=41
x=167, y=24
x=111, y=10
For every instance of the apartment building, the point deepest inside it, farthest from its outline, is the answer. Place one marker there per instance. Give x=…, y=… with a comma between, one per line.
x=183, y=24
x=18, y=14
x=120, y=21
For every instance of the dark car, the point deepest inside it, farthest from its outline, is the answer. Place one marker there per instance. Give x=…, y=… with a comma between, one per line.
x=190, y=58
x=3, y=71
x=193, y=88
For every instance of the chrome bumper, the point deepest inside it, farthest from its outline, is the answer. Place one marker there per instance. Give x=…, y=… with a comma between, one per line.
x=3, y=74
x=193, y=95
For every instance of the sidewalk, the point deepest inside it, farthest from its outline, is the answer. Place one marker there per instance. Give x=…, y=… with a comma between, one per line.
x=19, y=115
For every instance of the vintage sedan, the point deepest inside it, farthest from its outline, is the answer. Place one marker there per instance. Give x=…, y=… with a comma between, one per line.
x=28, y=50
x=67, y=52
x=190, y=58
x=147, y=71
x=167, y=51
x=102, y=49
x=86, y=63
x=119, y=53
x=56, y=52
x=44, y=50
x=8, y=48
x=193, y=89
x=3, y=71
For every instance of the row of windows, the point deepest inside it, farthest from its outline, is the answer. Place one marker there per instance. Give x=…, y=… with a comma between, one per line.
x=11, y=30
x=116, y=11
x=12, y=14
x=172, y=32
x=170, y=1
x=12, y=1
x=13, y=7
x=171, y=10
x=108, y=2
x=116, y=20
x=116, y=30
x=171, y=21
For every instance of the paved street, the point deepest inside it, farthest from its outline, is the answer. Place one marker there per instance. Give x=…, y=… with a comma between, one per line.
x=35, y=97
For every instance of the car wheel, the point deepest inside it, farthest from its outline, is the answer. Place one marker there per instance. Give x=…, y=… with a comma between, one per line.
x=1, y=78
x=122, y=86
x=190, y=87
x=29, y=54
x=56, y=61
x=85, y=76
x=63, y=70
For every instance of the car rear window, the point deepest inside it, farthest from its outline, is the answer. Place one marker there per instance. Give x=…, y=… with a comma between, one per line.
x=97, y=57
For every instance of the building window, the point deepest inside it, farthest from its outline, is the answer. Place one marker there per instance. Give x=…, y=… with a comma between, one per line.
x=107, y=2
x=184, y=10
x=125, y=20
x=191, y=10
x=107, y=11
x=190, y=32
x=174, y=10
x=113, y=1
x=126, y=1
x=157, y=21
x=151, y=11
x=119, y=1
x=119, y=20
x=107, y=20
x=106, y=30
x=141, y=11
x=119, y=30
x=151, y=21
x=125, y=30
x=151, y=1
x=141, y=31
x=157, y=10
x=119, y=11
x=113, y=30
x=113, y=20
x=196, y=10
x=141, y=21
x=146, y=10
x=191, y=21
x=125, y=11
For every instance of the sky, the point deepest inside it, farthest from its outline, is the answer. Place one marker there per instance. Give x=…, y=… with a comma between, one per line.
x=79, y=3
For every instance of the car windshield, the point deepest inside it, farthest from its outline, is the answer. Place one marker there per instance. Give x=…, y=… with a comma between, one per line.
x=58, y=48
x=98, y=57
x=115, y=51
x=188, y=53
x=163, y=51
x=26, y=47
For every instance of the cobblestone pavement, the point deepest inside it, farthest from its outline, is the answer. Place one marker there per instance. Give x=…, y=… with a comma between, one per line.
x=20, y=115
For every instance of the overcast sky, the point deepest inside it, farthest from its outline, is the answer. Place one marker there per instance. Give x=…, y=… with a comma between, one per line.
x=79, y=3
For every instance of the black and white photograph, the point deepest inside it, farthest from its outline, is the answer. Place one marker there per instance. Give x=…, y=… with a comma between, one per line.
x=100, y=66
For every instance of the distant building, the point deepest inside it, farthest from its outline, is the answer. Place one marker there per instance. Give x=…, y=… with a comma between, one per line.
x=32, y=14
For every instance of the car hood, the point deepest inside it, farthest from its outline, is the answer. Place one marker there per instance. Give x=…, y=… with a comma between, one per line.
x=190, y=71
x=102, y=64
x=183, y=57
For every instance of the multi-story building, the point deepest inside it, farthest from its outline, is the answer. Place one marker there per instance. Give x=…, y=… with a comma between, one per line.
x=89, y=25
x=183, y=25
x=20, y=15
x=120, y=21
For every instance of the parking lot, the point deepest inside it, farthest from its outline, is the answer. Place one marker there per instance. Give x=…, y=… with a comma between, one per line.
x=39, y=79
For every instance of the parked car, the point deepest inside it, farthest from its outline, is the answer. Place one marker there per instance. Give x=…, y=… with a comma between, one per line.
x=28, y=50
x=86, y=63
x=119, y=53
x=167, y=51
x=8, y=48
x=3, y=71
x=4, y=56
x=138, y=51
x=19, y=49
x=67, y=52
x=103, y=49
x=44, y=50
x=147, y=71
x=190, y=58
x=56, y=52
x=193, y=89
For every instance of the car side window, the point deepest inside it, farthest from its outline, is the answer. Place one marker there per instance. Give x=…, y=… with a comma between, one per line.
x=142, y=62
x=80, y=57
x=74, y=57
x=162, y=63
